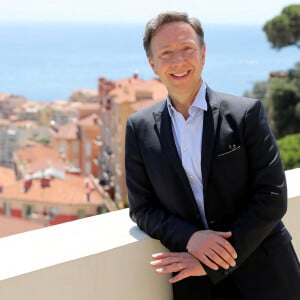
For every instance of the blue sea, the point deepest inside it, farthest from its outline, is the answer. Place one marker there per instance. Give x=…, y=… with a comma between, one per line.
x=47, y=61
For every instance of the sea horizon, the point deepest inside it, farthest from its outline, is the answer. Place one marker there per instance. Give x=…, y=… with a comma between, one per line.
x=48, y=61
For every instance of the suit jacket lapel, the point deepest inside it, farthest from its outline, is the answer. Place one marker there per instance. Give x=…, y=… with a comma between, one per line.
x=165, y=131
x=164, y=128
x=210, y=124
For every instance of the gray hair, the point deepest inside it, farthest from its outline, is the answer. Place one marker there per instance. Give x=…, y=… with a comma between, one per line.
x=167, y=17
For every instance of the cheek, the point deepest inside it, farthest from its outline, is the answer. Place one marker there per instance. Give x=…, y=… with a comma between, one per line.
x=152, y=65
x=156, y=68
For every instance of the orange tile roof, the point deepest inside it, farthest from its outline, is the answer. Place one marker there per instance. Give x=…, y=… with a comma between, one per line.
x=90, y=120
x=67, y=131
x=7, y=176
x=71, y=191
x=36, y=157
x=125, y=89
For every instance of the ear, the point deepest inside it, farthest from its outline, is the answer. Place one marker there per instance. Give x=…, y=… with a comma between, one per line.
x=203, y=54
x=152, y=64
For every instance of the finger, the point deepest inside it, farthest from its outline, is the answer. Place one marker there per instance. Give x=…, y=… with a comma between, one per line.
x=223, y=242
x=176, y=267
x=181, y=275
x=189, y=271
x=224, y=255
x=225, y=235
x=205, y=260
x=165, y=261
x=214, y=257
x=159, y=255
x=165, y=254
x=228, y=247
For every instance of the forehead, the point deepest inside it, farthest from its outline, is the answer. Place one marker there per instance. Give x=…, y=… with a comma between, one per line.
x=174, y=33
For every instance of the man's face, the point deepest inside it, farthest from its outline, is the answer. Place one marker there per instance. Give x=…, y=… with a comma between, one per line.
x=177, y=58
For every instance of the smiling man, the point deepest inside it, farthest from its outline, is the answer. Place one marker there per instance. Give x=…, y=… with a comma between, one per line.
x=204, y=176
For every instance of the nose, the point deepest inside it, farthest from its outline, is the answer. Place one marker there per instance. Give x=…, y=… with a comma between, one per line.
x=177, y=57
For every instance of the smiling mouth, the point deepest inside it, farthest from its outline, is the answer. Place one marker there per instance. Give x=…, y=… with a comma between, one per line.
x=180, y=75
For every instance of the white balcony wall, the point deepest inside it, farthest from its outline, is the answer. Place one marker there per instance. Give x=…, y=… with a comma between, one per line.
x=104, y=257
x=101, y=257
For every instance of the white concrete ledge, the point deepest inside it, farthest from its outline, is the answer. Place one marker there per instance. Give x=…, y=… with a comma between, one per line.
x=292, y=217
x=103, y=257
x=38, y=249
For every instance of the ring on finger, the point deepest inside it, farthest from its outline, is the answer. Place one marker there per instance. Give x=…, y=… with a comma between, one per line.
x=180, y=266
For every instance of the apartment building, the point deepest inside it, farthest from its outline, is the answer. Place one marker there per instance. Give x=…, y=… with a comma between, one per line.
x=118, y=100
x=75, y=143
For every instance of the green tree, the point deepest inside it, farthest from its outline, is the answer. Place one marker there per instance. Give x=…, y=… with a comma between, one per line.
x=284, y=30
x=290, y=151
x=258, y=91
x=283, y=105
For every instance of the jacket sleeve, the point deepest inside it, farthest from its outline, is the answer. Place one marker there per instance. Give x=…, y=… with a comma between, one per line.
x=268, y=193
x=145, y=207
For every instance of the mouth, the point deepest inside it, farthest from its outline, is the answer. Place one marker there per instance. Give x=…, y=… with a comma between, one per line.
x=180, y=75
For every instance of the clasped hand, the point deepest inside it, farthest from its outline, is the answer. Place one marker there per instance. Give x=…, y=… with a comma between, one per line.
x=207, y=247
x=212, y=249
x=182, y=262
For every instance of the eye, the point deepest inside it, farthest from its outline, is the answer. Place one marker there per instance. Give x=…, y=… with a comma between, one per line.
x=188, y=50
x=166, y=54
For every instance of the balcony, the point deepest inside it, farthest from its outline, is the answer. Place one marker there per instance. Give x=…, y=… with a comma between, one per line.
x=102, y=257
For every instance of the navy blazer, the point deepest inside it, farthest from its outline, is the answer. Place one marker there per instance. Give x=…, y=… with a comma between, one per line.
x=243, y=181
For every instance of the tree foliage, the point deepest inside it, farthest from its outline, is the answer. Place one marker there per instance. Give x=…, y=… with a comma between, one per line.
x=258, y=91
x=283, y=100
x=290, y=151
x=284, y=30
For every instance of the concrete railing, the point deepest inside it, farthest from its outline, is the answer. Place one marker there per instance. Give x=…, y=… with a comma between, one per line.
x=104, y=257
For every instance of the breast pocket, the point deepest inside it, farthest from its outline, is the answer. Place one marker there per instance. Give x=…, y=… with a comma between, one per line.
x=229, y=170
x=230, y=154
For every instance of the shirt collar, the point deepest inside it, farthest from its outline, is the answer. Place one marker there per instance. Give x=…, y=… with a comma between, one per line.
x=199, y=101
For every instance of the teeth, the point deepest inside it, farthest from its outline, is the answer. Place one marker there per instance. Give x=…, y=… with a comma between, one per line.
x=180, y=74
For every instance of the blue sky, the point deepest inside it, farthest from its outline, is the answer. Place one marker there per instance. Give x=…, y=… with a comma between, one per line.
x=208, y=11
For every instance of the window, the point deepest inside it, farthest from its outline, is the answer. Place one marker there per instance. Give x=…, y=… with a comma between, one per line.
x=27, y=211
x=88, y=149
x=81, y=214
x=88, y=167
x=63, y=147
x=6, y=209
x=75, y=147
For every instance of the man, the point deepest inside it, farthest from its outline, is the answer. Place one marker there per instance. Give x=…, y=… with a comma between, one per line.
x=204, y=176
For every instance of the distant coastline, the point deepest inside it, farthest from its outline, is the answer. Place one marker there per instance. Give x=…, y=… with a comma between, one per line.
x=49, y=61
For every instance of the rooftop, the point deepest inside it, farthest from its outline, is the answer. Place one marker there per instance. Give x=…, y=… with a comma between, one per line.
x=70, y=190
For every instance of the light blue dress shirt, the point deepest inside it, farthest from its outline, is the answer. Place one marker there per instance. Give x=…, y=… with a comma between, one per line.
x=188, y=139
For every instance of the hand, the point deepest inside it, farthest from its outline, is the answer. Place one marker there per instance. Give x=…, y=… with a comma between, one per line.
x=212, y=249
x=183, y=262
